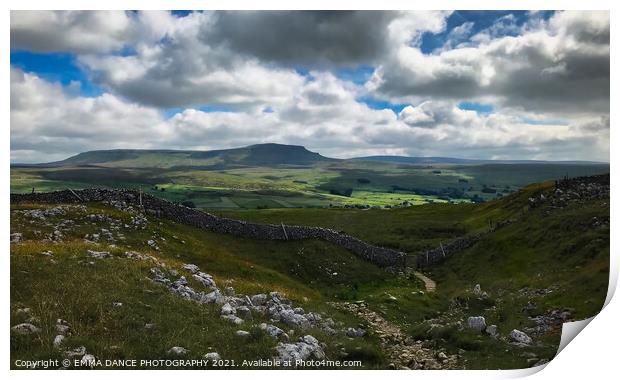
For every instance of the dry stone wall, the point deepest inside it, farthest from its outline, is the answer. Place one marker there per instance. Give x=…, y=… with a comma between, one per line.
x=383, y=257
x=436, y=255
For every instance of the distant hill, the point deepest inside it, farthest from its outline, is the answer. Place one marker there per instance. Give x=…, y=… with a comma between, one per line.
x=460, y=161
x=269, y=155
x=253, y=155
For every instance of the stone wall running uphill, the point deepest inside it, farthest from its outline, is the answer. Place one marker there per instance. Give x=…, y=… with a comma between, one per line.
x=383, y=257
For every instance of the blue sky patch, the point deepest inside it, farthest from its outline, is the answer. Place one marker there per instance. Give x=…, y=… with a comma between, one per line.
x=55, y=67
x=481, y=20
x=478, y=107
x=358, y=75
x=381, y=104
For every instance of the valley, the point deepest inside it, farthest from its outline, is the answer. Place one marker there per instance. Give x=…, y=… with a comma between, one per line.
x=99, y=266
x=275, y=176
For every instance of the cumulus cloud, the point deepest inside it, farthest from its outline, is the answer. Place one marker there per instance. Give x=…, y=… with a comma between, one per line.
x=179, y=71
x=548, y=82
x=48, y=123
x=562, y=67
x=85, y=31
x=322, y=38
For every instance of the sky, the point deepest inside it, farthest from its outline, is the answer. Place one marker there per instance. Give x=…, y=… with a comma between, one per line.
x=470, y=84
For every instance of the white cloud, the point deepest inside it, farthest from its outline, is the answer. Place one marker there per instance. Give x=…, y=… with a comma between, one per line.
x=48, y=123
x=180, y=71
x=86, y=31
x=550, y=70
x=561, y=66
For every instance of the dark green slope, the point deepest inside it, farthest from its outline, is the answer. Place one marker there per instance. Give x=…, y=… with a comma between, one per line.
x=254, y=155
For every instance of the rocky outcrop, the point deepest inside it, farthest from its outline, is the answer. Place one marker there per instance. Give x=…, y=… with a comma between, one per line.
x=380, y=256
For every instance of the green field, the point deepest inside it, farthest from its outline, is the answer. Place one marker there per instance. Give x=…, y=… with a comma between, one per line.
x=558, y=254
x=288, y=177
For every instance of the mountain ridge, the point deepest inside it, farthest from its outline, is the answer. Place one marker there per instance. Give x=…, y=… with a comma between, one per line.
x=266, y=154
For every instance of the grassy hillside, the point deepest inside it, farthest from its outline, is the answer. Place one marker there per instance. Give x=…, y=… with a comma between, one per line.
x=284, y=176
x=69, y=285
x=549, y=261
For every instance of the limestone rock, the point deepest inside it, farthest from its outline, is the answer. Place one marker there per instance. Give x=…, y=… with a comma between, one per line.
x=79, y=351
x=232, y=318
x=355, y=333
x=243, y=334
x=273, y=331
x=258, y=299
x=205, y=279
x=227, y=309
x=244, y=312
x=58, y=340
x=191, y=267
x=212, y=356
x=178, y=351
x=88, y=360
x=520, y=337
x=25, y=329
x=229, y=291
x=307, y=347
x=16, y=237
x=476, y=323
x=492, y=331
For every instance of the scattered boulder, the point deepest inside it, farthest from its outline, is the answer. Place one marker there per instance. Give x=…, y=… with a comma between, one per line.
x=62, y=328
x=492, y=331
x=98, y=255
x=355, y=333
x=274, y=331
x=212, y=297
x=442, y=357
x=79, y=351
x=476, y=323
x=191, y=267
x=58, y=339
x=258, y=299
x=289, y=317
x=243, y=334
x=16, y=237
x=227, y=309
x=229, y=291
x=307, y=347
x=138, y=256
x=178, y=351
x=205, y=279
x=244, y=312
x=25, y=329
x=232, y=318
x=212, y=356
x=23, y=312
x=88, y=360
x=520, y=337
x=477, y=289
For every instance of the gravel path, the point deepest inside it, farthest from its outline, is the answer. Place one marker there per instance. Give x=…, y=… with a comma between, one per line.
x=403, y=352
x=428, y=283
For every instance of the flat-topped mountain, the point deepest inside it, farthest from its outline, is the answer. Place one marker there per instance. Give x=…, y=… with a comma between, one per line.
x=269, y=154
x=253, y=155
